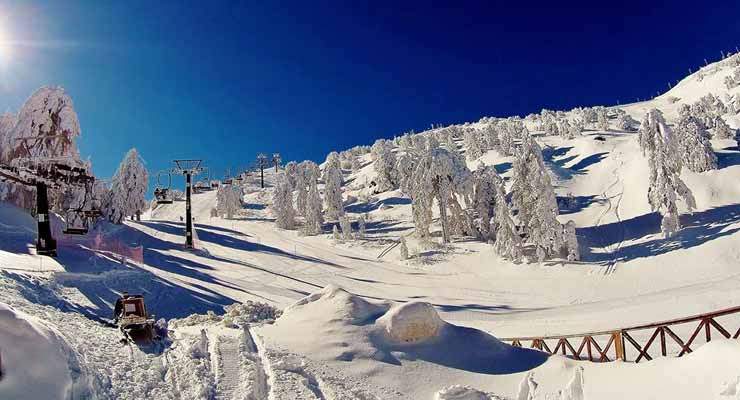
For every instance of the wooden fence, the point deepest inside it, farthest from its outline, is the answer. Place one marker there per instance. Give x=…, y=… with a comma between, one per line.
x=636, y=342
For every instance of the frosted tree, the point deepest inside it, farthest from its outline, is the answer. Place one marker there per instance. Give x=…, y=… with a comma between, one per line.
x=346, y=226
x=384, y=165
x=534, y=199
x=576, y=128
x=361, y=230
x=305, y=171
x=404, y=249
x=508, y=243
x=314, y=218
x=484, y=195
x=570, y=242
x=128, y=188
x=282, y=203
x=602, y=120
x=333, y=186
x=506, y=141
x=659, y=143
x=722, y=130
x=626, y=123
x=549, y=126
x=566, y=130
x=442, y=176
x=491, y=137
x=473, y=150
x=228, y=200
x=335, y=232
x=693, y=143
x=405, y=164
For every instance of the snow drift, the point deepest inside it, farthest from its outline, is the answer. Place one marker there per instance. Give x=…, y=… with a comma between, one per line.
x=37, y=363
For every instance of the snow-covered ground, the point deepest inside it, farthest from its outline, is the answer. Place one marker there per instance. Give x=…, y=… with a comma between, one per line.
x=358, y=322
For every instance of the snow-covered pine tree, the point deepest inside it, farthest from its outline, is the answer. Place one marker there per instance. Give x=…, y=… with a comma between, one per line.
x=361, y=232
x=491, y=137
x=384, y=165
x=602, y=121
x=534, y=199
x=314, y=219
x=626, y=123
x=508, y=243
x=570, y=242
x=346, y=226
x=506, y=140
x=659, y=143
x=473, y=149
x=282, y=203
x=566, y=130
x=576, y=127
x=722, y=130
x=333, y=186
x=229, y=200
x=404, y=249
x=128, y=188
x=484, y=194
x=693, y=143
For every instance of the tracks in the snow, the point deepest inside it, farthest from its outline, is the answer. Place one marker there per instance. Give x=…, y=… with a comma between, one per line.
x=227, y=379
x=239, y=367
x=261, y=385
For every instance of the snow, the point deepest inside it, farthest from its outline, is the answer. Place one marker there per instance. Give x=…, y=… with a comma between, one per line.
x=357, y=322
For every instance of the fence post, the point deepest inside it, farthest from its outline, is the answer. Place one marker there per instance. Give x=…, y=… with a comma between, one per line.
x=619, y=345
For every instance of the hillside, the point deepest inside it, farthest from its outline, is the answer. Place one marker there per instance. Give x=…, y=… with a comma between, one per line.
x=345, y=302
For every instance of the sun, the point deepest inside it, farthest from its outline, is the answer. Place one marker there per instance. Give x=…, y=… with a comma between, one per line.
x=4, y=48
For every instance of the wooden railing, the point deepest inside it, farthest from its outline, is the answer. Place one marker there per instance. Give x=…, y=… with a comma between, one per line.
x=612, y=345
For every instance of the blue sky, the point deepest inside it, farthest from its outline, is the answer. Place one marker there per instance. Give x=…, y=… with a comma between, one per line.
x=223, y=81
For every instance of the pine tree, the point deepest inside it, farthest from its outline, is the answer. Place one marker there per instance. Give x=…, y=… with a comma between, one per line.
x=722, y=130
x=484, y=195
x=534, y=199
x=229, y=200
x=693, y=142
x=384, y=165
x=566, y=130
x=333, y=187
x=404, y=249
x=658, y=142
x=601, y=118
x=282, y=203
x=346, y=226
x=473, y=149
x=506, y=141
x=335, y=232
x=128, y=188
x=361, y=233
x=508, y=243
x=313, y=216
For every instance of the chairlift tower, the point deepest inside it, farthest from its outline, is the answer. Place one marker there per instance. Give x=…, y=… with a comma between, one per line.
x=188, y=168
x=44, y=173
x=262, y=163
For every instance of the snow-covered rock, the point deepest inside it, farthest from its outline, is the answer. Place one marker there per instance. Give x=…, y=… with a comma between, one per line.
x=458, y=392
x=411, y=322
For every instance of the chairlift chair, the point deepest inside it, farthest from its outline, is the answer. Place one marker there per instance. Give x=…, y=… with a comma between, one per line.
x=162, y=193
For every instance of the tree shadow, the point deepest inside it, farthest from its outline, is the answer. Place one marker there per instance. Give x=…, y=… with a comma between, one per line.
x=697, y=229
x=571, y=205
x=727, y=158
x=502, y=168
x=360, y=208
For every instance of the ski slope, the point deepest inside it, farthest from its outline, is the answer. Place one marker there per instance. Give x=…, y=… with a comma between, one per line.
x=329, y=344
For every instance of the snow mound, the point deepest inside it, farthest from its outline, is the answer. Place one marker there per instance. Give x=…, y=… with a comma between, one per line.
x=459, y=392
x=346, y=305
x=37, y=363
x=411, y=322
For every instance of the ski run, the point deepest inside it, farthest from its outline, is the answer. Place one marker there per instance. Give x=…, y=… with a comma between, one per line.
x=390, y=271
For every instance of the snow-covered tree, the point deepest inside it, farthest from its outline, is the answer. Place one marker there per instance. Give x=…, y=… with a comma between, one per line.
x=659, y=143
x=361, y=232
x=484, y=194
x=314, y=218
x=346, y=226
x=128, y=188
x=602, y=120
x=404, y=249
x=490, y=135
x=229, y=200
x=335, y=232
x=570, y=241
x=282, y=203
x=534, y=199
x=506, y=140
x=442, y=176
x=626, y=123
x=508, y=242
x=333, y=186
x=566, y=130
x=693, y=143
x=473, y=149
x=384, y=165
x=722, y=130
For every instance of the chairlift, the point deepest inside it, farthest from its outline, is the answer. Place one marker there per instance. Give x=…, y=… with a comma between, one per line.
x=162, y=193
x=77, y=220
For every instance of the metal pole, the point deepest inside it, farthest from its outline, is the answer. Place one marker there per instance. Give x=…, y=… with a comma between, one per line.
x=188, y=216
x=45, y=243
x=262, y=175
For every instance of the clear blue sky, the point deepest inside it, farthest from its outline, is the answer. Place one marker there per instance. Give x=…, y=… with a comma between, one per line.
x=224, y=80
